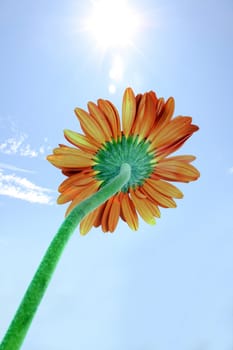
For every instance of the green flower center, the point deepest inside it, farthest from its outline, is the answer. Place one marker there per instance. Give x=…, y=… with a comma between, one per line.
x=125, y=150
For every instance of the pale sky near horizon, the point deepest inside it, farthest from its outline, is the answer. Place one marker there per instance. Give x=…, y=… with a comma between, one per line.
x=163, y=287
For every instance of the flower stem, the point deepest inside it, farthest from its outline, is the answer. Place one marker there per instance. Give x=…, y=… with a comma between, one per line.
x=34, y=294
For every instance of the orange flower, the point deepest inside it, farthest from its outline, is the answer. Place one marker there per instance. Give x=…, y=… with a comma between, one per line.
x=148, y=137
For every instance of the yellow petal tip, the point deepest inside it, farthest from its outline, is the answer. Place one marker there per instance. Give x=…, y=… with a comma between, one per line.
x=83, y=233
x=152, y=222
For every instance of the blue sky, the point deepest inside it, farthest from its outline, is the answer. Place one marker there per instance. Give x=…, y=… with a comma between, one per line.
x=164, y=287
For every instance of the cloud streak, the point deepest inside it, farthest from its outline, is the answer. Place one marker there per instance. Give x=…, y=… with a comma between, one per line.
x=14, y=168
x=21, y=188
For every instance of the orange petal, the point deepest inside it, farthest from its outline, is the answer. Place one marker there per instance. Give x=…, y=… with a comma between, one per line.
x=143, y=209
x=162, y=116
x=176, y=170
x=138, y=99
x=117, y=118
x=69, y=151
x=69, y=194
x=160, y=106
x=105, y=216
x=100, y=119
x=98, y=219
x=90, y=126
x=184, y=158
x=163, y=201
x=140, y=111
x=86, y=192
x=175, y=130
x=139, y=193
x=129, y=212
x=80, y=179
x=112, y=117
x=165, y=188
x=166, y=112
x=114, y=213
x=128, y=110
x=72, y=171
x=87, y=223
x=149, y=201
x=164, y=151
x=146, y=114
x=121, y=211
x=176, y=125
x=154, y=208
x=74, y=191
x=64, y=161
x=80, y=141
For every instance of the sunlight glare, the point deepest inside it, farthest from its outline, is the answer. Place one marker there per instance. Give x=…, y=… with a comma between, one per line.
x=113, y=23
x=112, y=89
x=117, y=68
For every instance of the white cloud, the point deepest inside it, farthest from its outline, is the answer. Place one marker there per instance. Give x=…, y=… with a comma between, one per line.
x=27, y=151
x=17, y=145
x=21, y=188
x=11, y=145
x=15, y=142
x=231, y=170
x=14, y=168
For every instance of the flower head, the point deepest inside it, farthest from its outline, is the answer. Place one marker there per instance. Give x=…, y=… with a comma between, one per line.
x=149, y=135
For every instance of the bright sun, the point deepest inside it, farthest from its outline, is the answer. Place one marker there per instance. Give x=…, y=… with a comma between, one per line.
x=113, y=23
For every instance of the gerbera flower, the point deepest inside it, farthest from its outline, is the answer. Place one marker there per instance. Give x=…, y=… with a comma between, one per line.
x=149, y=135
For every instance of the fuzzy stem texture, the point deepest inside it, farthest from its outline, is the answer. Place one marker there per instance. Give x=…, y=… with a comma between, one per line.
x=34, y=294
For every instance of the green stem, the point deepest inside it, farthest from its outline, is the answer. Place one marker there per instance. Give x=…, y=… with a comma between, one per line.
x=31, y=300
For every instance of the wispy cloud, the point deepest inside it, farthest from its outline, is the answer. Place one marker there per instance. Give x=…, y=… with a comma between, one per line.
x=231, y=170
x=16, y=142
x=21, y=188
x=18, y=145
x=15, y=168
